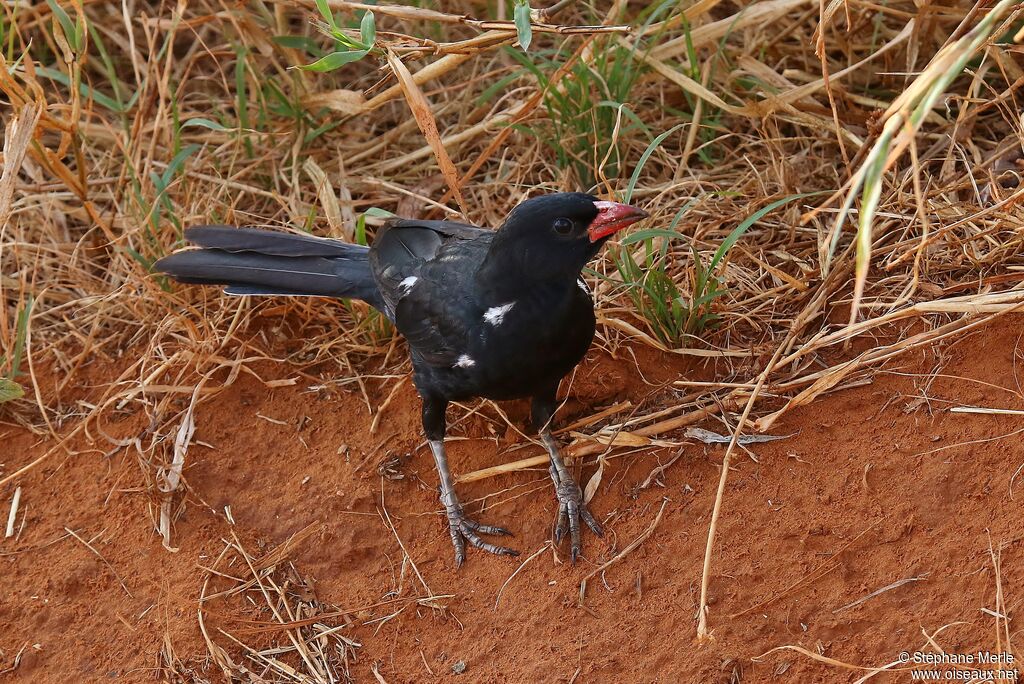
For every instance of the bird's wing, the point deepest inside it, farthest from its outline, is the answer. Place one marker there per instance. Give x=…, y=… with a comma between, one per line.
x=455, y=229
x=424, y=271
x=403, y=246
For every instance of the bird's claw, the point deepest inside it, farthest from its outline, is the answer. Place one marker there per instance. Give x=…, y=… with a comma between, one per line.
x=571, y=508
x=464, y=529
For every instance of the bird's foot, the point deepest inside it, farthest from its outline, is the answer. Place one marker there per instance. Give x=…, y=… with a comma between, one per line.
x=571, y=508
x=464, y=529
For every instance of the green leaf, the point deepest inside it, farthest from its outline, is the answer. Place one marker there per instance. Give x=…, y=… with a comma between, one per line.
x=373, y=212
x=325, y=12
x=367, y=30
x=176, y=164
x=709, y=296
x=86, y=91
x=143, y=261
x=360, y=234
x=71, y=32
x=200, y=122
x=524, y=30
x=131, y=101
x=335, y=60
x=679, y=214
x=321, y=129
x=21, y=337
x=10, y=390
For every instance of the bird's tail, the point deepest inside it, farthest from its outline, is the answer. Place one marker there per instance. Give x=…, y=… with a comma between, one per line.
x=250, y=261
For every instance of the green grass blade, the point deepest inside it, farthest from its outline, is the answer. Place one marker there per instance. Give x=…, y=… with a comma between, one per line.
x=242, y=95
x=85, y=90
x=648, y=234
x=745, y=225
x=635, y=178
x=71, y=31
x=176, y=164
x=20, y=338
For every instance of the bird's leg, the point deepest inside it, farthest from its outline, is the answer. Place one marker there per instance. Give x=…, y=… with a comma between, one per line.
x=461, y=528
x=571, y=506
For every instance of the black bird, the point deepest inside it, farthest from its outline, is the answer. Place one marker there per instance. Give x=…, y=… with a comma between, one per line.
x=498, y=314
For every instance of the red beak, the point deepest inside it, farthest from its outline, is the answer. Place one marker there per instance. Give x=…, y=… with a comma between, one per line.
x=613, y=217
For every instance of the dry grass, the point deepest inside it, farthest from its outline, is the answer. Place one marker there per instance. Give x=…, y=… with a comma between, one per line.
x=283, y=602
x=126, y=122
x=906, y=662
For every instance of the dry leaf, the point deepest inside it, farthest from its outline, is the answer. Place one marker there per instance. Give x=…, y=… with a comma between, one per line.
x=623, y=438
x=168, y=479
x=425, y=119
x=328, y=200
x=350, y=102
x=595, y=481
x=17, y=138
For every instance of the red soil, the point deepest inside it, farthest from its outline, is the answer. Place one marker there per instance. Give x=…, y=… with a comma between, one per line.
x=878, y=484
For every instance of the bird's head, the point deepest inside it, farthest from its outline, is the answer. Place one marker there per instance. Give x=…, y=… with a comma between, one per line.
x=555, y=235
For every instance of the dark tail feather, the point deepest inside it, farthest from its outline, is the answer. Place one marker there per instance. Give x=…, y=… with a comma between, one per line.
x=269, y=242
x=250, y=261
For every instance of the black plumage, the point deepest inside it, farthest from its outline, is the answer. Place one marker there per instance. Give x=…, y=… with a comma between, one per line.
x=498, y=314
x=250, y=261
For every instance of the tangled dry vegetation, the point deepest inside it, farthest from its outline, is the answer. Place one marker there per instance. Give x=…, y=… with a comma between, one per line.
x=740, y=126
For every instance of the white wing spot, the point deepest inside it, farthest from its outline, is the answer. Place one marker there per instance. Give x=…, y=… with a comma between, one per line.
x=582, y=285
x=407, y=284
x=465, y=362
x=496, y=314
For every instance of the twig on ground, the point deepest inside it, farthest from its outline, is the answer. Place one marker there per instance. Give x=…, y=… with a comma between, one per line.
x=100, y=556
x=522, y=565
x=13, y=515
x=888, y=587
x=624, y=552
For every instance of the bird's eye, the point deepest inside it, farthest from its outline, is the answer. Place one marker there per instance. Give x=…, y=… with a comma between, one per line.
x=563, y=226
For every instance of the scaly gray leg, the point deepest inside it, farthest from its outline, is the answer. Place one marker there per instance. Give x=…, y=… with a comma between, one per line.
x=571, y=506
x=461, y=528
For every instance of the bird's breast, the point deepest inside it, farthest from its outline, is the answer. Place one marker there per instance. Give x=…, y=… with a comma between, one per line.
x=513, y=347
x=528, y=343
